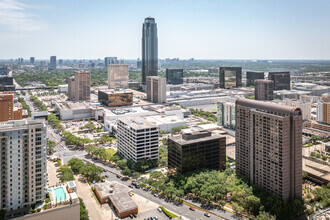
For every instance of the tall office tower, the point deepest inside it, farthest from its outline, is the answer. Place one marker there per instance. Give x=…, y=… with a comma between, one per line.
x=269, y=146
x=230, y=77
x=32, y=60
x=149, y=49
x=281, y=80
x=196, y=150
x=117, y=76
x=79, y=86
x=6, y=81
x=263, y=89
x=52, y=64
x=156, y=89
x=60, y=62
x=110, y=60
x=23, y=179
x=139, y=64
x=8, y=110
x=174, y=76
x=137, y=138
x=226, y=113
x=3, y=71
x=251, y=76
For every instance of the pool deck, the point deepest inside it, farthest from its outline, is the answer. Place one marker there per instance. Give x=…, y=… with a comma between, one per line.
x=53, y=197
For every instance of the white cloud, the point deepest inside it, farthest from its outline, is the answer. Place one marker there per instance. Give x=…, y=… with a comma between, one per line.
x=15, y=16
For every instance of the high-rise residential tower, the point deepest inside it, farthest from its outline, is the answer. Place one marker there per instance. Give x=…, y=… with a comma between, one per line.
x=281, y=80
x=263, y=89
x=269, y=146
x=117, y=76
x=52, y=64
x=252, y=75
x=149, y=49
x=230, y=77
x=110, y=60
x=9, y=110
x=23, y=169
x=79, y=86
x=156, y=89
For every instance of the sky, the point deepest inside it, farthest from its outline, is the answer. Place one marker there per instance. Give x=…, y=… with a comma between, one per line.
x=200, y=29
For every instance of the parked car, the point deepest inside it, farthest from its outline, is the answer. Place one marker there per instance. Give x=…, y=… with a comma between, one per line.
x=106, y=175
x=160, y=210
x=156, y=195
x=130, y=186
x=131, y=216
x=207, y=214
x=137, y=186
x=118, y=176
x=192, y=209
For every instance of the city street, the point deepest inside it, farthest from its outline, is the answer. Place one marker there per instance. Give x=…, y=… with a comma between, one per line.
x=180, y=209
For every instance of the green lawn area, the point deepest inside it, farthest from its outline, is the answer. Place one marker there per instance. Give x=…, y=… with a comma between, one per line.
x=110, y=152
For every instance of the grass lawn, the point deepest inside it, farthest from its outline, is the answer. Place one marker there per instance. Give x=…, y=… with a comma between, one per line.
x=110, y=151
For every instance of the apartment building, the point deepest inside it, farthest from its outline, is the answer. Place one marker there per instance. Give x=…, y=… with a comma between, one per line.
x=23, y=169
x=137, y=138
x=269, y=146
x=9, y=110
x=79, y=86
x=196, y=150
x=263, y=89
x=226, y=113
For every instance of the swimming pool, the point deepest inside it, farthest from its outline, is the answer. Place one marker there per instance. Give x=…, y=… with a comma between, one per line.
x=59, y=194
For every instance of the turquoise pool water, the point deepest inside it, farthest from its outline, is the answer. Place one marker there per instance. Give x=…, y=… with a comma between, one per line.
x=59, y=194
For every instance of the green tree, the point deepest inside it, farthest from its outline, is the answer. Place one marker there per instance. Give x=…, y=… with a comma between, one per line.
x=126, y=171
x=51, y=145
x=83, y=210
x=75, y=164
x=265, y=216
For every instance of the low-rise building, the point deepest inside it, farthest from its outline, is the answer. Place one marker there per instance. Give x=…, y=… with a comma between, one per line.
x=62, y=88
x=112, y=98
x=117, y=195
x=196, y=150
x=166, y=122
x=73, y=110
x=8, y=109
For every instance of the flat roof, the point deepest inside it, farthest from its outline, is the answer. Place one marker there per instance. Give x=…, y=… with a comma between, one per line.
x=164, y=119
x=119, y=196
x=112, y=91
x=73, y=105
x=137, y=122
x=178, y=138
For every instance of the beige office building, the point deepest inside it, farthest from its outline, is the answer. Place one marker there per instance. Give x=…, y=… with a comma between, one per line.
x=306, y=107
x=23, y=169
x=156, y=89
x=269, y=146
x=117, y=76
x=79, y=86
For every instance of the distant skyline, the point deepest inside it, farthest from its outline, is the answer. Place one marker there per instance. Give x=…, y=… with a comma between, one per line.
x=202, y=29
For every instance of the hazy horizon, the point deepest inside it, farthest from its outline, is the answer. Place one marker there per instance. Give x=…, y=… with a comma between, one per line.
x=200, y=29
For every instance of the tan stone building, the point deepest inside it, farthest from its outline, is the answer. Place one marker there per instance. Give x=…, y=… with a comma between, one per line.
x=269, y=146
x=156, y=89
x=263, y=89
x=79, y=86
x=117, y=76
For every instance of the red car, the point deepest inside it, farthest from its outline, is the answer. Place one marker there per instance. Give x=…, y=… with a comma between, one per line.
x=192, y=209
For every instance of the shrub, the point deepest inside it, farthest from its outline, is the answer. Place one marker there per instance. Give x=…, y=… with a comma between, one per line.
x=32, y=210
x=93, y=188
x=33, y=206
x=167, y=213
x=45, y=207
x=47, y=200
x=38, y=209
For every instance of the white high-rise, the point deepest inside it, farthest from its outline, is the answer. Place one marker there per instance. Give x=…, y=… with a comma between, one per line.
x=23, y=169
x=137, y=138
x=319, y=111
